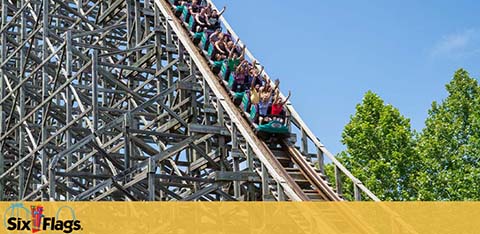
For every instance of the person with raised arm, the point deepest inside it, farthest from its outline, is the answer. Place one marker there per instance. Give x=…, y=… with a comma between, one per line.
x=194, y=7
x=233, y=58
x=200, y=21
x=221, y=45
x=215, y=36
x=218, y=46
x=254, y=76
x=263, y=106
x=267, y=90
x=254, y=92
x=240, y=77
x=277, y=111
x=213, y=19
x=207, y=10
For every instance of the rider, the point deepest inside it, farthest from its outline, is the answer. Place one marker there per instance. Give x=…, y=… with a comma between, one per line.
x=263, y=106
x=277, y=107
x=200, y=22
x=220, y=46
x=254, y=92
x=254, y=74
x=213, y=19
x=240, y=77
x=215, y=36
x=267, y=90
x=233, y=59
x=194, y=8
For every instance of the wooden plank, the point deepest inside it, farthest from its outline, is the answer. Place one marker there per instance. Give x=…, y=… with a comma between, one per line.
x=219, y=130
x=203, y=162
x=189, y=86
x=237, y=176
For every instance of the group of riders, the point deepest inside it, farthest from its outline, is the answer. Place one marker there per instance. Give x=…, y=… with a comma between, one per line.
x=228, y=60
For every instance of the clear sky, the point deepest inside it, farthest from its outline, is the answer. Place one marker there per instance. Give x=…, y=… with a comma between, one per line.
x=329, y=53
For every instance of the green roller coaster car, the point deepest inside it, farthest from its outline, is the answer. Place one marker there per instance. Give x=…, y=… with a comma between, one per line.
x=210, y=51
x=191, y=23
x=245, y=102
x=197, y=37
x=223, y=71
x=238, y=95
x=204, y=43
x=179, y=10
x=274, y=127
x=253, y=113
x=231, y=81
x=185, y=14
x=216, y=66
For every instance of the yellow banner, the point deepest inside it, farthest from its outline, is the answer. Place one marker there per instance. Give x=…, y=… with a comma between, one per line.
x=237, y=217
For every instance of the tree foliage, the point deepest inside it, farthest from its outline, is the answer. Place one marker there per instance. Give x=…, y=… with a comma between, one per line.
x=441, y=163
x=449, y=145
x=380, y=150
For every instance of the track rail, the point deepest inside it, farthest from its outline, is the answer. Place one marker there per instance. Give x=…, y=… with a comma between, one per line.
x=309, y=171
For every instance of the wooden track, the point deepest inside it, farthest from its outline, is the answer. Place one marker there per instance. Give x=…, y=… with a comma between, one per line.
x=314, y=183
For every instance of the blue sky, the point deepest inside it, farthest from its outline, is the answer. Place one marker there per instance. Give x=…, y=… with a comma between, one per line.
x=329, y=53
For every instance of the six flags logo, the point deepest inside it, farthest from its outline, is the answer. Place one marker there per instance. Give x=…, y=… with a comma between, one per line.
x=37, y=221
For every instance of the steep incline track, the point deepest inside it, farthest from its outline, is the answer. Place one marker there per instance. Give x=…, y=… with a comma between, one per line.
x=298, y=178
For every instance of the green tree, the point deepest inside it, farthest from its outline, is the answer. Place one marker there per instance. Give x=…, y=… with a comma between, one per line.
x=449, y=145
x=380, y=150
